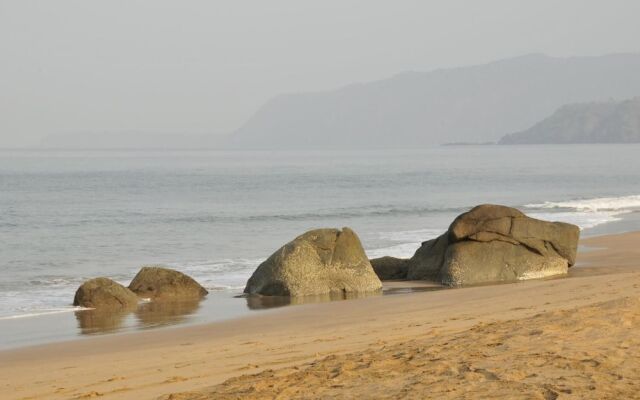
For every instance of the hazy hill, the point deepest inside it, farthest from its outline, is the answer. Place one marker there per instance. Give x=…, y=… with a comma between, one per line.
x=607, y=122
x=469, y=104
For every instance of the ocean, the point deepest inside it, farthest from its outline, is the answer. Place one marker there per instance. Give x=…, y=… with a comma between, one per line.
x=67, y=216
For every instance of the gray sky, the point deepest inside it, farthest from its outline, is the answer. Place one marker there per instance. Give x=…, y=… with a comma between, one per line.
x=159, y=66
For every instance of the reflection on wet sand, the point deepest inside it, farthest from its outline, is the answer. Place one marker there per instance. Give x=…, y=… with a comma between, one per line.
x=159, y=313
x=148, y=315
x=258, y=302
x=100, y=321
x=406, y=290
x=164, y=313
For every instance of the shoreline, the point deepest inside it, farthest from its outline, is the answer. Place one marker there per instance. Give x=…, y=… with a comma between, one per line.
x=183, y=358
x=71, y=325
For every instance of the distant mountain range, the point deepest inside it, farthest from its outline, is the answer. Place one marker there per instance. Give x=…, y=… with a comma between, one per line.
x=602, y=122
x=469, y=104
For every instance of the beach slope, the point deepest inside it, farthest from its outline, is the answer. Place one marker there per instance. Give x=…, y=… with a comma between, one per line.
x=537, y=339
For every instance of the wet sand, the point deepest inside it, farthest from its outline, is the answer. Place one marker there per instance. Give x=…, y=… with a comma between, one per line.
x=573, y=337
x=217, y=306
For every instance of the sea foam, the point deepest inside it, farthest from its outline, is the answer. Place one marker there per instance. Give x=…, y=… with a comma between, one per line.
x=627, y=203
x=586, y=213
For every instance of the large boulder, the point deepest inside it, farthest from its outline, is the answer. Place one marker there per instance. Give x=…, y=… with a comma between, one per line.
x=160, y=283
x=318, y=262
x=489, y=222
x=493, y=243
x=104, y=293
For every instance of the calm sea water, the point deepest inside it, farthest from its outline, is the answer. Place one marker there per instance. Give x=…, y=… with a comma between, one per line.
x=66, y=216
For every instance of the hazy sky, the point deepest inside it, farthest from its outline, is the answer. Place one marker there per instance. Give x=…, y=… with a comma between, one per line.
x=160, y=66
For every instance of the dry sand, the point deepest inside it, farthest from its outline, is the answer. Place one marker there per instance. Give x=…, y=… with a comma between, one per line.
x=562, y=338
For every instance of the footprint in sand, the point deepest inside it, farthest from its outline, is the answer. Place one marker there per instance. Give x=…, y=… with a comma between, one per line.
x=89, y=395
x=174, y=379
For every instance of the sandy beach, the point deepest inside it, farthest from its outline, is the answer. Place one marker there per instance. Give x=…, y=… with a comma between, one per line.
x=572, y=337
x=330, y=200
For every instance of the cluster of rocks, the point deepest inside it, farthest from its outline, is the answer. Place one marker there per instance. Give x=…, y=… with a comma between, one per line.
x=152, y=282
x=489, y=243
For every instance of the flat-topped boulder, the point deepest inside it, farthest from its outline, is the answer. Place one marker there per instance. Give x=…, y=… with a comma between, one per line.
x=104, y=293
x=490, y=222
x=161, y=283
x=317, y=262
x=493, y=243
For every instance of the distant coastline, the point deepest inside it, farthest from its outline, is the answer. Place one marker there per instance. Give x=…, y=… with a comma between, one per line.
x=471, y=104
x=469, y=144
x=585, y=123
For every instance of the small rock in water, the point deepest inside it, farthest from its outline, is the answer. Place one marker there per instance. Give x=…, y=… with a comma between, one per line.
x=157, y=282
x=104, y=293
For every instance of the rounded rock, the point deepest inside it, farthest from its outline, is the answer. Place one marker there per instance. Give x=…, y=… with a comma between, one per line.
x=157, y=282
x=104, y=293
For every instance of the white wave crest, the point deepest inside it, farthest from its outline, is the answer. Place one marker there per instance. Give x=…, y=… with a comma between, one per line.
x=404, y=250
x=586, y=213
x=594, y=205
x=585, y=220
x=419, y=235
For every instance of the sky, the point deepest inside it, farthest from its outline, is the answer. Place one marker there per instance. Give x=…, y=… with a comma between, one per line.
x=158, y=67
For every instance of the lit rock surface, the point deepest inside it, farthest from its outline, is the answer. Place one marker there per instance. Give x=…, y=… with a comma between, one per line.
x=317, y=262
x=104, y=293
x=493, y=243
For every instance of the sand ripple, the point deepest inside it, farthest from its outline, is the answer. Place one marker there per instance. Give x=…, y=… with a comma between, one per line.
x=590, y=352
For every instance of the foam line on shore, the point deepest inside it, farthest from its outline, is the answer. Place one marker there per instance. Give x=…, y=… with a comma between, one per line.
x=45, y=312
